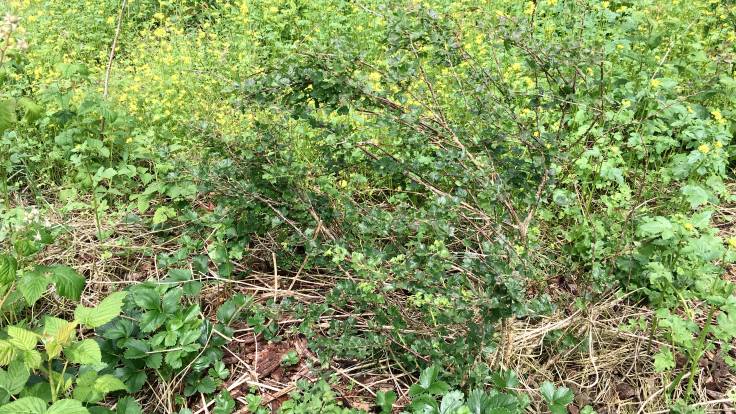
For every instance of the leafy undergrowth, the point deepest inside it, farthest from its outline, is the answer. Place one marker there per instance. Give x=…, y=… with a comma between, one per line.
x=219, y=206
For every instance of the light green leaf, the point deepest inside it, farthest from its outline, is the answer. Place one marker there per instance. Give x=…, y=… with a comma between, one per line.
x=695, y=195
x=25, y=405
x=14, y=378
x=7, y=352
x=67, y=406
x=33, y=285
x=69, y=283
x=22, y=339
x=86, y=352
x=108, y=383
x=7, y=114
x=8, y=266
x=659, y=226
x=664, y=360
x=108, y=309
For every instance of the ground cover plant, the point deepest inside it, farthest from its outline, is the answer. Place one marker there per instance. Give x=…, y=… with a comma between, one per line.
x=475, y=206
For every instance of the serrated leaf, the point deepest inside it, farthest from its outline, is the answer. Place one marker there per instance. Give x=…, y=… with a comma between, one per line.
x=31, y=358
x=7, y=353
x=548, y=391
x=52, y=325
x=7, y=114
x=108, y=309
x=224, y=403
x=8, y=267
x=61, y=333
x=22, y=339
x=33, y=285
x=25, y=405
x=67, y=406
x=385, y=400
x=69, y=283
x=32, y=109
x=451, y=402
x=659, y=226
x=108, y=383
x=147, y=298
x=14, y=379
x=664, y=360
x=128, y=405
x=695, y=195
x=85, y=352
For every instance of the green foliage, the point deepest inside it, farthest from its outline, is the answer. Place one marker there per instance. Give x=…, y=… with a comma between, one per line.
x=432, y=396
x=66, y=366
x=314, y=398
x=436, y=163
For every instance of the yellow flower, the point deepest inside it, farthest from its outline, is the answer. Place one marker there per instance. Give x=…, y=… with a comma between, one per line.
x=159, y=16
x=689, y=226
x=374, y=76
x=536, y=134
x=529, y=82
x=516, y=67
x=129, y=140
x=690, y=109
x=160, y=32
x=110, y=20
x=704, y=148
x=732, y=242
x=530, y=7
x=718, y=116
x=655, y=83
x=619, y=46
x=625, y=103
x=552, y=3
x=718, y=144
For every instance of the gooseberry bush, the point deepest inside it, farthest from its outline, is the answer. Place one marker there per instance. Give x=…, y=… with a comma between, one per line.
x=390, y=181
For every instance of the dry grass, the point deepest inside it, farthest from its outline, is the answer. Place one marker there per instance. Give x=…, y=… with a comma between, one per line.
x=602, y=351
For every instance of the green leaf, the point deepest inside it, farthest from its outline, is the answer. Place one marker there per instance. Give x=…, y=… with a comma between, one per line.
x=85, y=352
x=659, y=226
x=32, y=109
x=385, y=400
x=67, y=406
x=14, y=379
x=147, y=298
x=108, y=309
x=7, y=114
x=128, y=405
x=8, y=267
x=25, y=405
x=548, y=391
x=428, y=376
x=695, y=195
x=69, y=283
x=170, y=300
x=22, y=339
x=451, y=402
x=664, y=360
x=7, y=352
x=224, y=403
x=33, y=285
x=108, y=383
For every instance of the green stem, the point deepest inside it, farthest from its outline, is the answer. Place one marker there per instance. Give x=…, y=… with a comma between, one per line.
x=94, y=205
x=652, y=330
x=51, y=383
x=695, y=360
